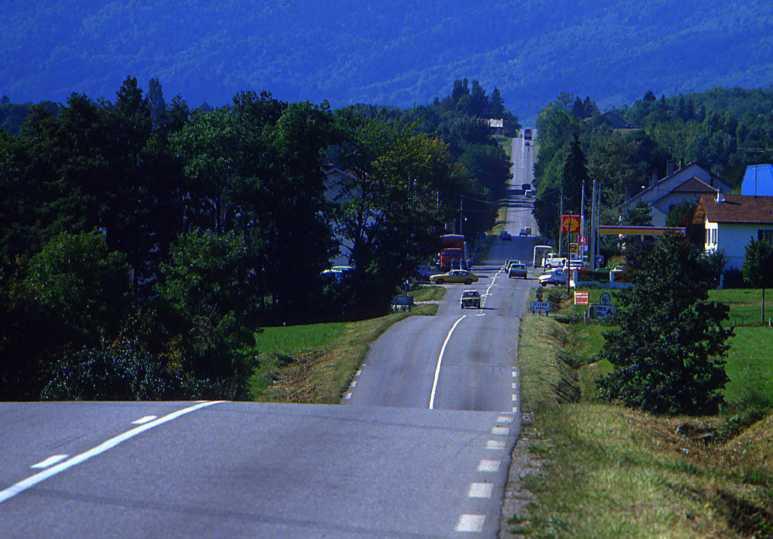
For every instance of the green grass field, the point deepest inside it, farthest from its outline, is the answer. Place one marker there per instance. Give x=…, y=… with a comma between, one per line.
x=428, y=293
x=294, y=339
x=750, y=366
x=609, y=471
x=744, y=304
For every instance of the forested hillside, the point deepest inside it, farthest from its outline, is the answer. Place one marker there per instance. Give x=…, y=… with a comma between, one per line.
x=400, y=52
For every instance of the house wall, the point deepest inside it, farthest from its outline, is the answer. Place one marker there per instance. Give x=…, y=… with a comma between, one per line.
x=733, y=239
x=661, y=207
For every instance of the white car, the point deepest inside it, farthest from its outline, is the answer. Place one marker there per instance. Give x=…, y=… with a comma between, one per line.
x=555, y=262
x=557, y=277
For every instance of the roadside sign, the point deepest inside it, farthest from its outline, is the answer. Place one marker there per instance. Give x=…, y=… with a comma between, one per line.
x=540, y=307
x=581, y=297
x=570, y=223
x=605, y=309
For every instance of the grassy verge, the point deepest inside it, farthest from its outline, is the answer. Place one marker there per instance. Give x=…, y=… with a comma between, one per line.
x=314, y=363
x=609, y=471
x=428, y=293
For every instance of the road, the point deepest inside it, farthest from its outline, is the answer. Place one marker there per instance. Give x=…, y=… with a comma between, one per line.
x=421, y=448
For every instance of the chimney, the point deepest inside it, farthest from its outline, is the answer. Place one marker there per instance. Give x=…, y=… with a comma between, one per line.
x=720, y=197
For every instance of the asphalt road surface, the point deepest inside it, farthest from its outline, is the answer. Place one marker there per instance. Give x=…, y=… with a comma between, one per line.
x=421, y=448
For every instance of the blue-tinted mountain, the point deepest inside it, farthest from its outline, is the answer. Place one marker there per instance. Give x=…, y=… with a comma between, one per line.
x=393, y=52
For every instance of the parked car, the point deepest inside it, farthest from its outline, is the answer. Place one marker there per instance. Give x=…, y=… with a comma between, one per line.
x=505, y=236
x=557, y=277
x=523, y=232
x=526, y=186
x=454, y=276
x=517, y=270
x=470, y=298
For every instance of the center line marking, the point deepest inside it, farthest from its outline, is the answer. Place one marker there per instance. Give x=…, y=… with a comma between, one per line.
x=50, y=461
x=440, y=362
x=144, y=419
x=26, y=484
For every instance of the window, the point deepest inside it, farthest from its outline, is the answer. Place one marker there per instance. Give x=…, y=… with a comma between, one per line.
x=714, y=234
x=765, y=235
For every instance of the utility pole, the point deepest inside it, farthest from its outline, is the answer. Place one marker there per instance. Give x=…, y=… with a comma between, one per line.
x=461, y=215
x=583, y=238
x=560, y=215
x=593, y=226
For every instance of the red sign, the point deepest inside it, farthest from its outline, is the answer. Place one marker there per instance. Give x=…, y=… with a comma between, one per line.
x=570, y=224
x=581, y=297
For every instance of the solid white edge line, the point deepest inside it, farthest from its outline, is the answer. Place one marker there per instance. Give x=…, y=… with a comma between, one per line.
x=440, y=362
x=144, y=419
x=33, y=480
x=50, y=461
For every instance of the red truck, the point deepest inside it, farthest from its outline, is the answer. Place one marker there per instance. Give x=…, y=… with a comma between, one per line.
x=453, y=252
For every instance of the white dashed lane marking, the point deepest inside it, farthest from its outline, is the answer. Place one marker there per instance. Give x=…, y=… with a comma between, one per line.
x=28, y=483
x=500, y=431
x=505, y=419
x=471, y=523
x=144, y=419
x=50, y=461
x=488, y=466
x=480, y=490
x=495, y=444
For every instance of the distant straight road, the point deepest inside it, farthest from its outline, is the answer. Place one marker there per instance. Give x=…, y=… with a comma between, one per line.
x=384, y=465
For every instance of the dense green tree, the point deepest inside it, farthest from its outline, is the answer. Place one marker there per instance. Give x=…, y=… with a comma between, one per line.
x=575, y=177
x=670, y=342
x=210, y=286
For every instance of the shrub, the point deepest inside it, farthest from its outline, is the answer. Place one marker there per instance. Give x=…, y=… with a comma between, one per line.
x=120, y=371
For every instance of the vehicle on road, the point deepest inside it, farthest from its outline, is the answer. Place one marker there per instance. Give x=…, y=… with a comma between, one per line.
x=557, y=277
x=517, y=270
x=555, y=262
x=470, y=298
x=524, y=232
x=527, y=134
x=505, y=236
x=509, y=262
x=454, y=276
x=453, y=252
x=526, y=186
x=576, y=263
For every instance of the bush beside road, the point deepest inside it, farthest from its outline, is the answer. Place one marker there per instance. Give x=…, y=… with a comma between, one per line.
x=609, y=471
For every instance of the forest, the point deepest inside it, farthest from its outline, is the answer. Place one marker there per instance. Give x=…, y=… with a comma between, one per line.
x=624, y=148
x=399, y=53
x=144, y=242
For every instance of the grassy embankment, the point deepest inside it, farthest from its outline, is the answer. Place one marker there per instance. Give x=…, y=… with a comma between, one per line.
x=428, y=293
x=610, y=471
x=749, y=367
x=314, y=363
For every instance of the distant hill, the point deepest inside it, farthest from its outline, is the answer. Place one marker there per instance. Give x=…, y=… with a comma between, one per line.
x=394, y=52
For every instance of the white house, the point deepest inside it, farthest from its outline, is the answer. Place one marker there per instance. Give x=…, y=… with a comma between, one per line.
x=687, y=184
x=732, y=221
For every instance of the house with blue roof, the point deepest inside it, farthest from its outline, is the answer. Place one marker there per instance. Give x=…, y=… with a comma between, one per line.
x=758, y=180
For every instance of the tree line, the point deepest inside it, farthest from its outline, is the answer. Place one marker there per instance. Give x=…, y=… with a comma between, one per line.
x=623, y=148
x=144, y=242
